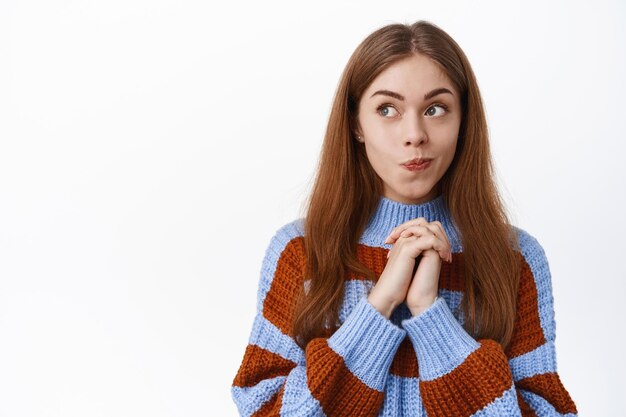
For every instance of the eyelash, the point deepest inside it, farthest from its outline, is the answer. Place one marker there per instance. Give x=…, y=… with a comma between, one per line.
x=382, y=106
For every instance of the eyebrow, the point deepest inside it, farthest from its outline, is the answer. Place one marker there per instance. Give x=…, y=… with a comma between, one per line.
x=400, y=97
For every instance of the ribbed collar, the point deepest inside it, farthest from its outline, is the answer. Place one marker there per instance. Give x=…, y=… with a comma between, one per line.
x=391, y=213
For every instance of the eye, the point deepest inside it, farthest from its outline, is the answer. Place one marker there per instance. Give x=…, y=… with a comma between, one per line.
x=443, y=106
x=383, y=107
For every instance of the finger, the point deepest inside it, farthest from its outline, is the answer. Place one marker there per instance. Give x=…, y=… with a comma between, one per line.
x=400, y=239
x=439, y=233
x=441, y=246
x=441, y=229
x=445, y=253
x=420, y=221
x=437, y=229
x=438, y=244
x=415, y=231
x=421, y=244
x=395, y=232
x=440, y=226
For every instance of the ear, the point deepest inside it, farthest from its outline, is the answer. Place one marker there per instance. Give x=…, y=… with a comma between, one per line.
x=357, y=133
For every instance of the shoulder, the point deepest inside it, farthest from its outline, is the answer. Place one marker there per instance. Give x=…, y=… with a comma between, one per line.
x=530, y=248
x=283, y=260
x=285, y=237
x=536, y=273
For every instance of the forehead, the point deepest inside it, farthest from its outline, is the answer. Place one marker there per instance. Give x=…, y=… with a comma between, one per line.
x=412, y=77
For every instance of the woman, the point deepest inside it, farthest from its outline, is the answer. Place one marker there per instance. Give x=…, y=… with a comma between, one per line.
x=405, y=290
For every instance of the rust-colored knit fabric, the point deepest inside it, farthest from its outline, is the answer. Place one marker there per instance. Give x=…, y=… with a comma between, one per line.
x=425, y=365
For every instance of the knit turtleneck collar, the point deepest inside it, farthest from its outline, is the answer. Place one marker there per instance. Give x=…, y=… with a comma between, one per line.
x=391, y=213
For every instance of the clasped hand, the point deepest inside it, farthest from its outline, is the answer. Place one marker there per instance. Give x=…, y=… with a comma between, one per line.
x=400, y=281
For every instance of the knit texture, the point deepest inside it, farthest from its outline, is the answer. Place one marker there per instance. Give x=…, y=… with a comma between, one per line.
x=426, y=365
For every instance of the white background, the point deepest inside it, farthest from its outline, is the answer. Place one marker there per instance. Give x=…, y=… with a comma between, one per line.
x=150, y=149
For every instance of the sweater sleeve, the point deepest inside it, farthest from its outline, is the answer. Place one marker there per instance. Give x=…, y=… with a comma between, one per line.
x=340, y=375
x=462, y=376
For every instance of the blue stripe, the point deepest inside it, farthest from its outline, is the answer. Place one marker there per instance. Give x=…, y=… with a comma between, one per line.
x=541, y=406
x=538, y=361
x=297, y=398
x=367, y=342
x=453, y=300
x=402, y=398
x=251, y=399
x=354, y=291
x=440, y=342
x=505, y=405
x=267, y=336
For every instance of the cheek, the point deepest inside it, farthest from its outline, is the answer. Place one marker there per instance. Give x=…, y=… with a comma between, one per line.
x=446, y=146
x=451, y=147
x=444, y=139
x=378, y=154
x=382, y=161
x=447, y=154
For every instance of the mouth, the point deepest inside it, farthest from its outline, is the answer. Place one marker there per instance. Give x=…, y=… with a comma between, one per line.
x=417, y=164
x=417, y=161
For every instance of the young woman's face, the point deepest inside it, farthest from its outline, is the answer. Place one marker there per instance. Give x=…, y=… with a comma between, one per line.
x=411, y=110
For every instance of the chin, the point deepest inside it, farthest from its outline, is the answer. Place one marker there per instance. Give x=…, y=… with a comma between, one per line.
x=411, y=197
x=420, y=193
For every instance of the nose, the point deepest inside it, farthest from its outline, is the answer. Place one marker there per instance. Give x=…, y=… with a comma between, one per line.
x=415, y=132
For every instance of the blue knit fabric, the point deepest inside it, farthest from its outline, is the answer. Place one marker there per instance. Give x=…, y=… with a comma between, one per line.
x=367, y=341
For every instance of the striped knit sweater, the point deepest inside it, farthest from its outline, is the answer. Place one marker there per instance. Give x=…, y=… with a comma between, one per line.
x=426, y=365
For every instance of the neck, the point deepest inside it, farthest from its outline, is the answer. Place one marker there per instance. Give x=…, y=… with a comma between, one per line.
x=391, y=213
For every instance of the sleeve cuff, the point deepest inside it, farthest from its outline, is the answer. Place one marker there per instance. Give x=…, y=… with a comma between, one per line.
x=440, y=342
x=367, y=341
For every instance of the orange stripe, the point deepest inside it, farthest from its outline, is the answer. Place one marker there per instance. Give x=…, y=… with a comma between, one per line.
x=451, y=276
x=405, y=362
x=259, y=364
x=279, y=303
x=550, y=387
x=527, y=411
x=375, y=259
x=527, y=332
x=483, y=376
x=338, y=390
